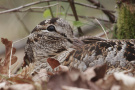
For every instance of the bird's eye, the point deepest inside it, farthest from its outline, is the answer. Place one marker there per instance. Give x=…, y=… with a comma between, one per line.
x=51, y=28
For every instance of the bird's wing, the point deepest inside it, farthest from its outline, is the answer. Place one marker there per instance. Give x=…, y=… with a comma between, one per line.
x=116, y=53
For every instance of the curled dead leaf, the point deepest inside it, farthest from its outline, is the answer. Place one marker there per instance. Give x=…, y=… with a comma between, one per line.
x=53, y=63
x=5, y=65
x=71, y=78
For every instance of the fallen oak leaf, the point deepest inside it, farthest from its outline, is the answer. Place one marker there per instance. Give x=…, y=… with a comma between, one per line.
x=53, y=63
x=5, y=65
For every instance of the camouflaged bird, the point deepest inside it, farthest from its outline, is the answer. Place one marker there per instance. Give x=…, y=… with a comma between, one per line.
x=54, y=38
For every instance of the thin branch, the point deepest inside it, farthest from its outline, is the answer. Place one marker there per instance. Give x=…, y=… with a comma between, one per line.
x=75, y=15
x=109, y=14
x=38, y=2
x=19, y=19
x=50, y=9
x=90, y=6
x=67, y=11
x=31, y=8
x=24, y=6
x=86, y=17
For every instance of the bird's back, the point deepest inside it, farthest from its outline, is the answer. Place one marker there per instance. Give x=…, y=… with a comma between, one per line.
x=116, y=53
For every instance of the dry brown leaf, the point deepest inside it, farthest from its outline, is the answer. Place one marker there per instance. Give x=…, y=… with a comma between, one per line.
x=0, y=60
x=42, y=75
x=58, y=70
x=2, y=85
x=21, y=80
x=74, y=74
x=13, y=60
x=27, y=71
x=50, y=73
x=72, y=88
x=53, y=63
x=126, y=82
x=20, y=87
x=62, y=79
x=5, y=65
x=89, y=74
x=100, y=72
x=63, y=68
x=107, y=83
x=71, y=78
x=117, y=80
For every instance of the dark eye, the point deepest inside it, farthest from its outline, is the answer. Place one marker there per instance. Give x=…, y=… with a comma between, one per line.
x=51, y=28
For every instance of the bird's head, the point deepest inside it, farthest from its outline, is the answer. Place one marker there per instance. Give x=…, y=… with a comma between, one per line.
x=56, y=27
x=49, y=38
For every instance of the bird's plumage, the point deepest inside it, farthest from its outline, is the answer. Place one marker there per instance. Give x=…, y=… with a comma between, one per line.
x=58, y=41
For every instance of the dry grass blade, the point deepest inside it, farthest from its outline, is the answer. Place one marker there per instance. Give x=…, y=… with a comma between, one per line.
x=102, y=28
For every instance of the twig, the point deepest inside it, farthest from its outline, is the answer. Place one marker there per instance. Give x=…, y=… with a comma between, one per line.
x=24, y=6
x=20, y=20
x=90, y=6
x=67, y=11
x=31, y=8
x=109, y=14
x=86, y=17
x=17, y=9
x=75, y=15
x=50, y=10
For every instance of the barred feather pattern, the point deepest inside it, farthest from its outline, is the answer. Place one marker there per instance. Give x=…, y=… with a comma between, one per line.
x=115, y=53
x=74, y=52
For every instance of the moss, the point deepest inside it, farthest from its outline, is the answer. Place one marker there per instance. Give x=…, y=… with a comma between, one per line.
x=125, y=23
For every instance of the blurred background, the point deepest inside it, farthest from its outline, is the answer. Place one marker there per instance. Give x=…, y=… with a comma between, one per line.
x=17, y=24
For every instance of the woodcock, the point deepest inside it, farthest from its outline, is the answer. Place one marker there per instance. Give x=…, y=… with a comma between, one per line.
x=54, y=38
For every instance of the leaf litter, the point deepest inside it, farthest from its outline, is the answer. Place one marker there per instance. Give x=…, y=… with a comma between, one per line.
x=94, y=78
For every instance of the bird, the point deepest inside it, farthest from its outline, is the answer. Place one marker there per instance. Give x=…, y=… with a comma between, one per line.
x=54, y=38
